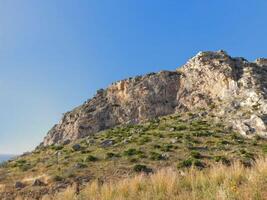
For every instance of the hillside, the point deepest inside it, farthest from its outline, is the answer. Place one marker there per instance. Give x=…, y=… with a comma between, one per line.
x=177, y=141
x=217, y=182
x=234, y=88
x=211, y=110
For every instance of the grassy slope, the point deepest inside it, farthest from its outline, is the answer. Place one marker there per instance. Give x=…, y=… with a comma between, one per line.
x=171, y=141
x=219, y=182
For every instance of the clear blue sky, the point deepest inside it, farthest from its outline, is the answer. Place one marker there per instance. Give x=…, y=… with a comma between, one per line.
x=54, y=54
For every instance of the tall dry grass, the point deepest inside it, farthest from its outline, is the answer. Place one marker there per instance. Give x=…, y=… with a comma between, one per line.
x=216, y=183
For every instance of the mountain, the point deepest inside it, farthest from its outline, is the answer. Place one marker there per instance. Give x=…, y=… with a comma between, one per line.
x=233, y=89
x=209, y=112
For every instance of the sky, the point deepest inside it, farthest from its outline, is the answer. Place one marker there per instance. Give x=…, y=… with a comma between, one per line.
x=54, y=54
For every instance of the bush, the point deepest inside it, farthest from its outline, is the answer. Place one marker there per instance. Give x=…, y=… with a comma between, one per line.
x=57, y=178
x=167, y=147
x=57, y=147
x=111, y=155
x=156, y=156
x=202, y=133
x=191, y=162
x=142, y=168
x=156, y=146
x=80, y=165
x=222, y=159
x=25, y=167
x=264, y=149
x=91, y=158
x=196, y=154
x=224, y=142
x=21, y=162
x=144, y=140
x=180, y=128
x=132, y=152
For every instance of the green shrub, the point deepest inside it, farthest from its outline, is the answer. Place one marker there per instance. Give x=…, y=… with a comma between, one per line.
x=156, y=146
x=202, y=133
x=180, y=127
x=222, y=159
x=80, y=165
x=191, y=162
x=133, y=160
x=57, y=178
x=247, y=162
x=132, y=152
x=57, y=147
x=142, y=168
x=167, y=147
x=91, y=158
x=25, y=167
x=144, y=140
x=111, y=155
x=195, y=154
x=264, y=149
x=156, y=156
x=236, y=137
x=224, y=142
x=21, y=162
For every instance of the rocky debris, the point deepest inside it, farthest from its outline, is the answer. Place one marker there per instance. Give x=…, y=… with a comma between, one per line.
x=77, y=147
x=38, y=182
x=107, y=143
x=172, y=129
x=249, y=127
x=90, y=141
x=66, y=142
x=174, y=140
x=231, y=89
x=79, y=165
x=19, y=185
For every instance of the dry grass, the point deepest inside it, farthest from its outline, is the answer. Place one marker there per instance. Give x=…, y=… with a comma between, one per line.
x=218, y=182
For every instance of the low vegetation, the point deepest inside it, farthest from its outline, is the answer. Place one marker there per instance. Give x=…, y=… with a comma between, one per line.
x=217, y=182
x=177, y=141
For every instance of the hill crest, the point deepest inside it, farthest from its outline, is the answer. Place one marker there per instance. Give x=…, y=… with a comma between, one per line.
x=233, y=89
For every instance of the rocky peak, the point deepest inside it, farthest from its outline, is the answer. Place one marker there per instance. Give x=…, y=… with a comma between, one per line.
x=261, y=61
x=233, y=90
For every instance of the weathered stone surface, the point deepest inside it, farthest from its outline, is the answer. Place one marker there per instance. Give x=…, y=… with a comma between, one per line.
x=107, y=143
x=76, y=147
x=129, y=101
x=232, y=89
x=19, y=185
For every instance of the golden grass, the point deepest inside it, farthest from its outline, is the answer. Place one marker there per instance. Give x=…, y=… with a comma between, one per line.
x=218, y=182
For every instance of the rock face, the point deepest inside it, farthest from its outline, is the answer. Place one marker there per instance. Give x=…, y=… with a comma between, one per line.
x=232, y=89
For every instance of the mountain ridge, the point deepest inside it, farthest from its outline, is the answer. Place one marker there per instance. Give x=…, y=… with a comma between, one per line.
x=206, y=81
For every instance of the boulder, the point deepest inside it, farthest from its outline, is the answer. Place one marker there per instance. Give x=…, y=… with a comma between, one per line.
x=19, y=185
x=107, y=143
x=77, y=147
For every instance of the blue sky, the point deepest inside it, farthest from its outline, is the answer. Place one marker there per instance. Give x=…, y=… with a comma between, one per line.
x=54, y=54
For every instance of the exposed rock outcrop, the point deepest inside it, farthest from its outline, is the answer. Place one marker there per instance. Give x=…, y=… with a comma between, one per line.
x=232, y=89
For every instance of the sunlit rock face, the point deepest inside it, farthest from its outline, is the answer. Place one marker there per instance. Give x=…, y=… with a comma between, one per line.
x=232, y=90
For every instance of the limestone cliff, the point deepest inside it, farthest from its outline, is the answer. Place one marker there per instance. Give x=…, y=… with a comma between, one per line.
x=232, y=90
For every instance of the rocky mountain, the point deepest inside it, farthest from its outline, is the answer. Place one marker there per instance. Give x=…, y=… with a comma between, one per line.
x=232, y=89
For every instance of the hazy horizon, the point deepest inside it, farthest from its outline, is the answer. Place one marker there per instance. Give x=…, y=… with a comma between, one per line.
x=4, y=157
x=54, y=55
